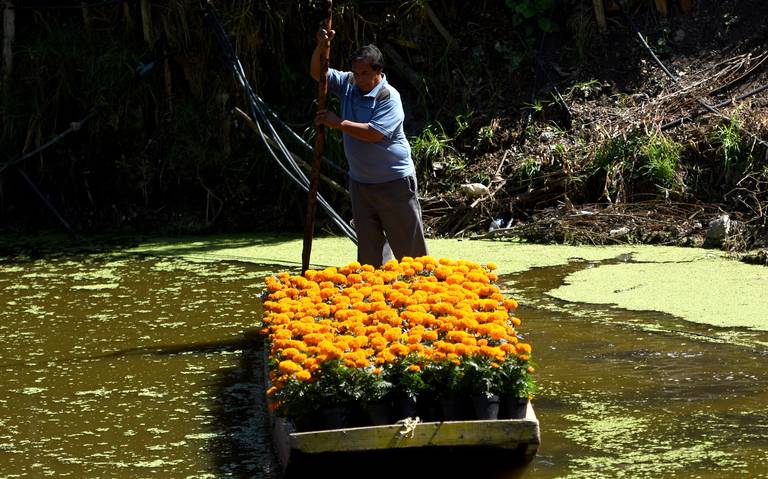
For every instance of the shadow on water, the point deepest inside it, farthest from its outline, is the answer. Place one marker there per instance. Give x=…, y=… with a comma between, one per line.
x=240, y=443
x=242, y=447
x=56, y=245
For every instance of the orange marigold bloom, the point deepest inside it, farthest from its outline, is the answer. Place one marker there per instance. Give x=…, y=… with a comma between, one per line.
x=288, y=367
x=524, y=348
x=399, y=349
x=289, y=353
x=282, y=334
x=393, y=334
x=414, y=338
x=379, y=342
x=390, y=265
x=414, y=368
x=430, y=335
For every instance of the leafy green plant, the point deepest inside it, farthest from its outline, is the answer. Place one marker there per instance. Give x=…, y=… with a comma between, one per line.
x=462, y=122
x=661, y=156
x=529, y=168
x=731, y=145
x=532, y=14
x=617, y=151
x=432, y=143
x=443, y=379
x=433, y=150
x=481, y=375
x=663, y=43
x=405, y=376
x=537, y=106
x=512, y=56
x=486, y=135
x=333, y=385
x=584, y=88
x=368, y=386
x=515, y=380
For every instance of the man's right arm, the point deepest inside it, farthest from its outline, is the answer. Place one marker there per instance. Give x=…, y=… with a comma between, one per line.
x=324, y=38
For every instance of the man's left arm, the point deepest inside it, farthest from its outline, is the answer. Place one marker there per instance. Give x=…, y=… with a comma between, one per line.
x=360, y=131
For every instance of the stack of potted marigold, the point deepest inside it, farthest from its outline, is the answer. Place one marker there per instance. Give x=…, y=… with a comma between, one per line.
x=356, y=345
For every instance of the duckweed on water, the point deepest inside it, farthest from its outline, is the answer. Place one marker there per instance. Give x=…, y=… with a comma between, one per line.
x=706, y=290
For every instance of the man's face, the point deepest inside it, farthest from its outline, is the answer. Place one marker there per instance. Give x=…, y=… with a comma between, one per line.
x=366, y=78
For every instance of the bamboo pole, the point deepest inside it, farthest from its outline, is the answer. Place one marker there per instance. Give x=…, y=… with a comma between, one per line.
x=322, y=94
x=86, y=17
x=127, y=17
x=661, y=7
x=9, y=35
x=438, y=24
x=602, y=25
x=685, y=5
x=146, y=22
x=168, y=83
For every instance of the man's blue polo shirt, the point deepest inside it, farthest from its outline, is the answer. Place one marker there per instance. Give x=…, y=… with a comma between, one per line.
x=382, y=109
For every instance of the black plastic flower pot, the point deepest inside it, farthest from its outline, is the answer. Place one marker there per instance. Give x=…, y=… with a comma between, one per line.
x=485, y=407
x=513, y=408
x=335, y=417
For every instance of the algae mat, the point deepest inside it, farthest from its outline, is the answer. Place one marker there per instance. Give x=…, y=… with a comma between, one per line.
x=707, y=289
x=697, y=285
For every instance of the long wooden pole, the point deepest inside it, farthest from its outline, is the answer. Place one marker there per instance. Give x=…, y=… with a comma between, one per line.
x=322, y=94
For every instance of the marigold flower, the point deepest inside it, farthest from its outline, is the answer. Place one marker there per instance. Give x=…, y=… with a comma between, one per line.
x=360, y=315
x=289, y=367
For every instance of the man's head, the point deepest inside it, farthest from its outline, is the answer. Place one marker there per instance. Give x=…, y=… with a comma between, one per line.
x=367, y=64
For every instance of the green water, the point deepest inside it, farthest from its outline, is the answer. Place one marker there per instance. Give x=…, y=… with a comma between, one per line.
x=131, y=363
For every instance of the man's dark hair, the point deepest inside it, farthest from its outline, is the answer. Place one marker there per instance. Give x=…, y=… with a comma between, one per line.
x=369, y=53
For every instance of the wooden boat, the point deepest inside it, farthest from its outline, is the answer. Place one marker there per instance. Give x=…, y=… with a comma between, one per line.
x=503, y=443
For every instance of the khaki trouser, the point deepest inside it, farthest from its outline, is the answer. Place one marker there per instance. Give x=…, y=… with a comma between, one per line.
x=387, y=212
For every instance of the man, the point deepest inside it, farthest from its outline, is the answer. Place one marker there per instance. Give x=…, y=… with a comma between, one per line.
x=382, y=177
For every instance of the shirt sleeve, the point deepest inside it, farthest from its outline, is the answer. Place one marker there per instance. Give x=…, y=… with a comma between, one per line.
x=336, y=80
x=387, y=117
